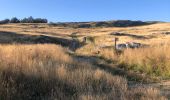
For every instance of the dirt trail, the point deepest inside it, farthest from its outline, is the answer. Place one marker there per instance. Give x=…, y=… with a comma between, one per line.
x=163, y=86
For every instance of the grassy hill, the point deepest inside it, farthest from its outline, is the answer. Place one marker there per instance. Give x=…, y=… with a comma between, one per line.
x=114, y=23
x=37, y=61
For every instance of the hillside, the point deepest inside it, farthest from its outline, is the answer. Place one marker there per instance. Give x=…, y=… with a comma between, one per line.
x=114, y=23
x=61, y=62
x=152, y=33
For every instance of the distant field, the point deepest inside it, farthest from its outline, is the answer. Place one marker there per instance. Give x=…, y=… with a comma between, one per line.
x=33, y=65
x=153, y=32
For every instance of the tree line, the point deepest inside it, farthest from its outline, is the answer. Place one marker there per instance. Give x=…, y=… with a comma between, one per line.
x=25, y=20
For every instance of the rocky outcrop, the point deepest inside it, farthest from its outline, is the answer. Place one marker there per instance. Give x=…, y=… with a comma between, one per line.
x=130, y=45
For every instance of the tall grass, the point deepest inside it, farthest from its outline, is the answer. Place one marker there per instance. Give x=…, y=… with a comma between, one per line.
x=109, y=54
x=46, y=72
x=154, y=61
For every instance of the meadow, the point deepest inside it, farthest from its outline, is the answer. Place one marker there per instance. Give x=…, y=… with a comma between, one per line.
x=36, y=63
x=46, y=72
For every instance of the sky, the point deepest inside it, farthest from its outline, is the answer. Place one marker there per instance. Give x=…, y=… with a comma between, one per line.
x=87, y=10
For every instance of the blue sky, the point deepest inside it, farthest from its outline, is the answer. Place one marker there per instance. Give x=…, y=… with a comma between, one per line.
x=87, y=10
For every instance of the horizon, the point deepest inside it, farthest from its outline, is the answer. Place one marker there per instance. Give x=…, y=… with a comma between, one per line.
x=87, y=11
x=85, y=21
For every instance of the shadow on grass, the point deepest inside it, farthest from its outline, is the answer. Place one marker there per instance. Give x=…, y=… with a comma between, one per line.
x=18, y=86
x=12, y=37
x=116, y=69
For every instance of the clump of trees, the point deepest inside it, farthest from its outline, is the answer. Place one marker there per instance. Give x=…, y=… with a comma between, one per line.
x=15, y=20
x=25, y=20
x=32, y=20
x=5, y=21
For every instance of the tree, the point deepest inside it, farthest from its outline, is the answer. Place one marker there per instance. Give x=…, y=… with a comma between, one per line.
x=14, y=20
x=25, y=20
x=5, y=21
x=40, y=20
x=30, y=19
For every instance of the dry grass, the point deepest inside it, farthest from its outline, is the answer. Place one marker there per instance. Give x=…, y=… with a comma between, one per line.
x=154, y=61
x=46, y=72
x=64, y=32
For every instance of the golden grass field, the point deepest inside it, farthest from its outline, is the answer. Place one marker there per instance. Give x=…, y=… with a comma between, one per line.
x=34, y=70
x=46, y=72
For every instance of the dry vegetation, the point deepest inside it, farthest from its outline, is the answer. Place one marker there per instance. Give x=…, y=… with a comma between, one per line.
x=46, y=72
x=154, y=61
x=33, y=71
